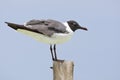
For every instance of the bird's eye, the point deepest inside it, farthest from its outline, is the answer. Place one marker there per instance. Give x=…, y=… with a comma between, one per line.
x=74, y=24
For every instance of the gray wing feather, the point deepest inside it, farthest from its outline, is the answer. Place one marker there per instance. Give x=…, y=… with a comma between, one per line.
x=46, y=27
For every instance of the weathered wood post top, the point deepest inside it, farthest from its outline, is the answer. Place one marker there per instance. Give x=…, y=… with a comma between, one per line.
x=63, y=70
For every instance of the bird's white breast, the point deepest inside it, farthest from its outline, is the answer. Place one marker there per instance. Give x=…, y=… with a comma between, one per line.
x=56, y=38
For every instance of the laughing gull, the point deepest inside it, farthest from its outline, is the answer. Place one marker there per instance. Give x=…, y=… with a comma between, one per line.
x=48, y=31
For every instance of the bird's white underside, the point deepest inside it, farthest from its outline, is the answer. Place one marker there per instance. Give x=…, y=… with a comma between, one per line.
x=56, y=38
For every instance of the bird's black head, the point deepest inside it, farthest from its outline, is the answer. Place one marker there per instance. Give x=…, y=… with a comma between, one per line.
x=74, y=25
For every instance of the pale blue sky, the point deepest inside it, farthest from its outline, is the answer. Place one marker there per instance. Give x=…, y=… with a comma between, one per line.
x=96, y=53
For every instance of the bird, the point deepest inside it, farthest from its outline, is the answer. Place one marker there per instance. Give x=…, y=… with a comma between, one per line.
x=48, y=31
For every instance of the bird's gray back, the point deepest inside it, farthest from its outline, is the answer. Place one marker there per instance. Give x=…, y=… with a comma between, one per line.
x=46, y=27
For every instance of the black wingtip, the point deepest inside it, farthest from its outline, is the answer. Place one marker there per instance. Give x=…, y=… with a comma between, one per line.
x=12, y=25
x=6, y=22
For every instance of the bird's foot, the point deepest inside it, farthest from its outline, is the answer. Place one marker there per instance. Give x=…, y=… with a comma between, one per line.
x=59, y=60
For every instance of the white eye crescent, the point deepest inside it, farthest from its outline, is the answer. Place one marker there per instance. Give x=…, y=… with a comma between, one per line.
x=74, y=24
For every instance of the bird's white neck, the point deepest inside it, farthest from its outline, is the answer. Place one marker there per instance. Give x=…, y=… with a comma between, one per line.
x=68, y=27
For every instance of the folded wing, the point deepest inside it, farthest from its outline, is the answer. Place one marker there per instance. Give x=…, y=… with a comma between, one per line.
x=45, y=27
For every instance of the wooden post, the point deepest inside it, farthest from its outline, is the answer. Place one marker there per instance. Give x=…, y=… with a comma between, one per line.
x=63, y=70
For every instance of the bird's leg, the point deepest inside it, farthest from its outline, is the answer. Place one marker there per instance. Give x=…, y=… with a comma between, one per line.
x=52, y=53
x=55, y=54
